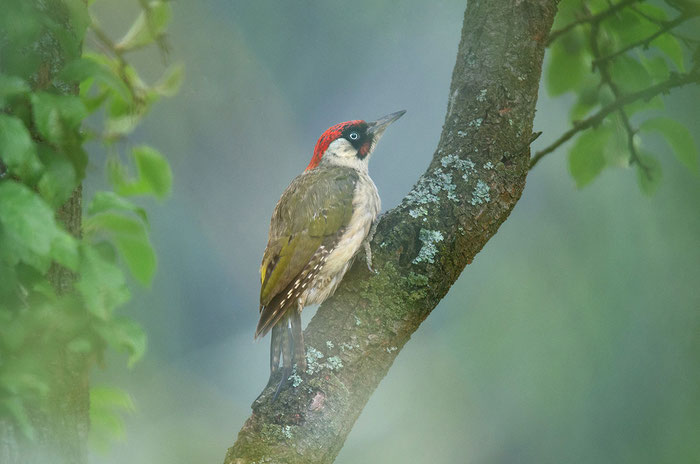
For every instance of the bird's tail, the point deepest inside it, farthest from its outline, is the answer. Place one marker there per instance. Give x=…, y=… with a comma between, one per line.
x=276, y=341
x=299, y=350
x=287, y=343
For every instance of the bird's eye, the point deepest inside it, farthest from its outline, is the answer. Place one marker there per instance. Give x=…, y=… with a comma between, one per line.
x=354, y=136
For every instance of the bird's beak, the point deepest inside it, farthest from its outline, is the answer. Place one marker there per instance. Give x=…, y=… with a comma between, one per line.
x=377, y=128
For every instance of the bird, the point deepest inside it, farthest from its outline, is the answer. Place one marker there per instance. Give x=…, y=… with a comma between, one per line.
x=319, y=224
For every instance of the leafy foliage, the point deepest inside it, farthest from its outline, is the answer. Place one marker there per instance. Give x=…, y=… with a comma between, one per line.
x=106, y=408
x=678, y=137
x=148, y=27
x=604, y=52
x=587, y=156
x=42, y=162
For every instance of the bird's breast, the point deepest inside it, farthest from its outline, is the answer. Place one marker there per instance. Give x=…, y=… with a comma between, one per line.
x=366, y=206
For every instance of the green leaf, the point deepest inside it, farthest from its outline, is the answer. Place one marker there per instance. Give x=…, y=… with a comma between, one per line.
x=79, y=345
x=632, y=76
x=148, y=27
x=88, y=67
x=679, y=139
x=629, y=74
x=16, y=410
x=153, y=175
x=626, y=27
x=106, y=408
x=11, y=86
x=587, y=156
x=106, y=250
x=110, y=201
x=101, y=397
x=131, y=240
x=687, y=7
x=102, y=284
x=17, y=150
x=119, y=126
x=125, y=335
x=92, y=102
x=27, y=226
x=597, y=6
x=657, y=67
x=8, y=286
x=64, y=250
x=567, y=11
x=122, y=115
x=617, y=148
x=59, y=179
x=14, y=333
x=58, y=117
x=169, y=84
x=117, y=173
x=29, y=233
x=78, y=16
x=45, y=289
x=20, y=25
x=648, y=173
x=651, y=10
x=671, y=47
x=656, y=103
x=22, y=376
x=587, y=100
x=568, y=65
x=665, y=42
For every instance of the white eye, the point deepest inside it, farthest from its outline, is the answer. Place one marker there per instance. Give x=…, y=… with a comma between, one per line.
x=354, y=136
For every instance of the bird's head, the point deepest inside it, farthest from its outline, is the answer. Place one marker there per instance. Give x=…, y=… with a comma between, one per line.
x=351, y=143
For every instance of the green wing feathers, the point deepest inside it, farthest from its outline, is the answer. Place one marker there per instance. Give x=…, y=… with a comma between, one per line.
x=313, y=211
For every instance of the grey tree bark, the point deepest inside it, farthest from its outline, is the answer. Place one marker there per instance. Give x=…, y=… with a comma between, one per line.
x=474, y=180
x=61, y=428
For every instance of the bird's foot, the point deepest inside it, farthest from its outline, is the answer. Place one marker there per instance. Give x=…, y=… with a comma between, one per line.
x=286, y=372
x=262, y=394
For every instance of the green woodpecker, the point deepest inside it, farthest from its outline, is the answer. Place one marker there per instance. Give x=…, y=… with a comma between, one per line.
x=317, y=228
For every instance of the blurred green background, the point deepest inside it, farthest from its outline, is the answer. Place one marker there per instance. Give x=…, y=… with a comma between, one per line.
x=572, y=338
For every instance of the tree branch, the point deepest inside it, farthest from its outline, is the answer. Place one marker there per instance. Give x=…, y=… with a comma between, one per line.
x=674, y=81
x=606, y=79
x=110, y=46
x=474, y=180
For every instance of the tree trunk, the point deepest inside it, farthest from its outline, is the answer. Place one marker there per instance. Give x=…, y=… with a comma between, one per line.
x=61, y=428
x=474, y=180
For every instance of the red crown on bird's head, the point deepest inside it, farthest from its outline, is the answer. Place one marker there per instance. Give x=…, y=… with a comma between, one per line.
x=331, y=134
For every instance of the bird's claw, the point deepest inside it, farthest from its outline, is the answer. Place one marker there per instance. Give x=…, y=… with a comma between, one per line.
x=286, y=372
x=371, y=269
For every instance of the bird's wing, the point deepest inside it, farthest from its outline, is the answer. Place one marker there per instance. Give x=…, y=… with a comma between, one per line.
x=312, y=212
